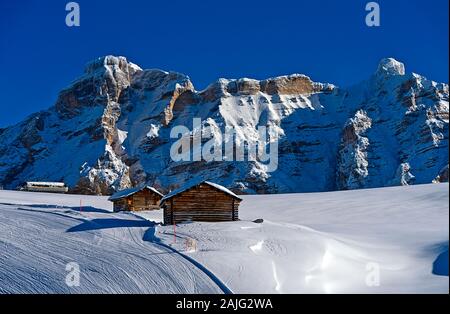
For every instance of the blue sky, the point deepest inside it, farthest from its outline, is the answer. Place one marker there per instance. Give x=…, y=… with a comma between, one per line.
x=325, y=39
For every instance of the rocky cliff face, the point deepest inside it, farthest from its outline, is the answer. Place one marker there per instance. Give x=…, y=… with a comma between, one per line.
x=110, y=129
x=352, y=162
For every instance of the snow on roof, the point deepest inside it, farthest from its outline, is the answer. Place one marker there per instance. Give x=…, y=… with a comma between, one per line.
x=130, y=191
x=187, y=187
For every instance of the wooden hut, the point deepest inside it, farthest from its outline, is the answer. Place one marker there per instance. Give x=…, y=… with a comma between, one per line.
x=205, y=201
x=135, y=199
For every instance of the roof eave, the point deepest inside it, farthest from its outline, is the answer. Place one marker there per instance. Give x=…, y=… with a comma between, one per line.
x=164, y=199
x=112, y=199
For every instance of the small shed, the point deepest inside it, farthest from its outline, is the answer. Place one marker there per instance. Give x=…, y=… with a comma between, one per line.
x=136, y=199
x=204, y=201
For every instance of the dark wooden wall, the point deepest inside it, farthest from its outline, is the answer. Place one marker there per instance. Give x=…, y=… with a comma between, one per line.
x=142, y=200
x=145, y=200
x=201, y=203
x=120, y=204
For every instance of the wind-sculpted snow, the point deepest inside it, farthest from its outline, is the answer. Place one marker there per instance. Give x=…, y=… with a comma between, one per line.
x=110, y=129
x=386, y=240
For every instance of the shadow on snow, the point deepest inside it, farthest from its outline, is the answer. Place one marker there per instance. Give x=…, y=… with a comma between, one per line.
x=108, y=223
x=440, y=264
x=87, y=209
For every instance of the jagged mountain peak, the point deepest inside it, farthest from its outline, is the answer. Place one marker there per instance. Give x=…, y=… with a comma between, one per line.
x=104, y=62
x=293, y=84
x=284, y=84
x=110, y=129
x=390, y=67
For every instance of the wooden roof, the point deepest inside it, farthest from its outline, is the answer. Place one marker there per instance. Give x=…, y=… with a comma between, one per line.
x=188, y=187
x=131, y=191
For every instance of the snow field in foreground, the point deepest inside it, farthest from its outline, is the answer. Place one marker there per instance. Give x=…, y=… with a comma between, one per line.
x=387, y=240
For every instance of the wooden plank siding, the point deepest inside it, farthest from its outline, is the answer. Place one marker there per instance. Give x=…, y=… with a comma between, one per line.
x=201, y=203
x=120, y=205
x=141, y=200
x=145, y=200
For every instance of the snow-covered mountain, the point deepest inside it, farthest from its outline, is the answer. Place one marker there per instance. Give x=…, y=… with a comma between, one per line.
x=110, y=129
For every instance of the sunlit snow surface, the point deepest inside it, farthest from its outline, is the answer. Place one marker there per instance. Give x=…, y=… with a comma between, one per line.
x=388, y=240
x=329, y=242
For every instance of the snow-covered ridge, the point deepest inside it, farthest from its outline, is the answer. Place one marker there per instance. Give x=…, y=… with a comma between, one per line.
x=110, y=129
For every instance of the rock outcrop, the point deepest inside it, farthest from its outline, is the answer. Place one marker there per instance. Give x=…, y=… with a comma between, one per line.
x=443, y=175
x=403, y=176
x=352, y=160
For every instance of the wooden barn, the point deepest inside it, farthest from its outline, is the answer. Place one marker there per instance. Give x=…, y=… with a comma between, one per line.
x=136, y=199
x=205, y=201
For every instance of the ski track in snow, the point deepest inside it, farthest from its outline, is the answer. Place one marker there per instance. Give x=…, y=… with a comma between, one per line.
x=37, y=241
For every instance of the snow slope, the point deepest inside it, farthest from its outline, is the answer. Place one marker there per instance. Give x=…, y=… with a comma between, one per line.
x=41, y=233
x=308, y=243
